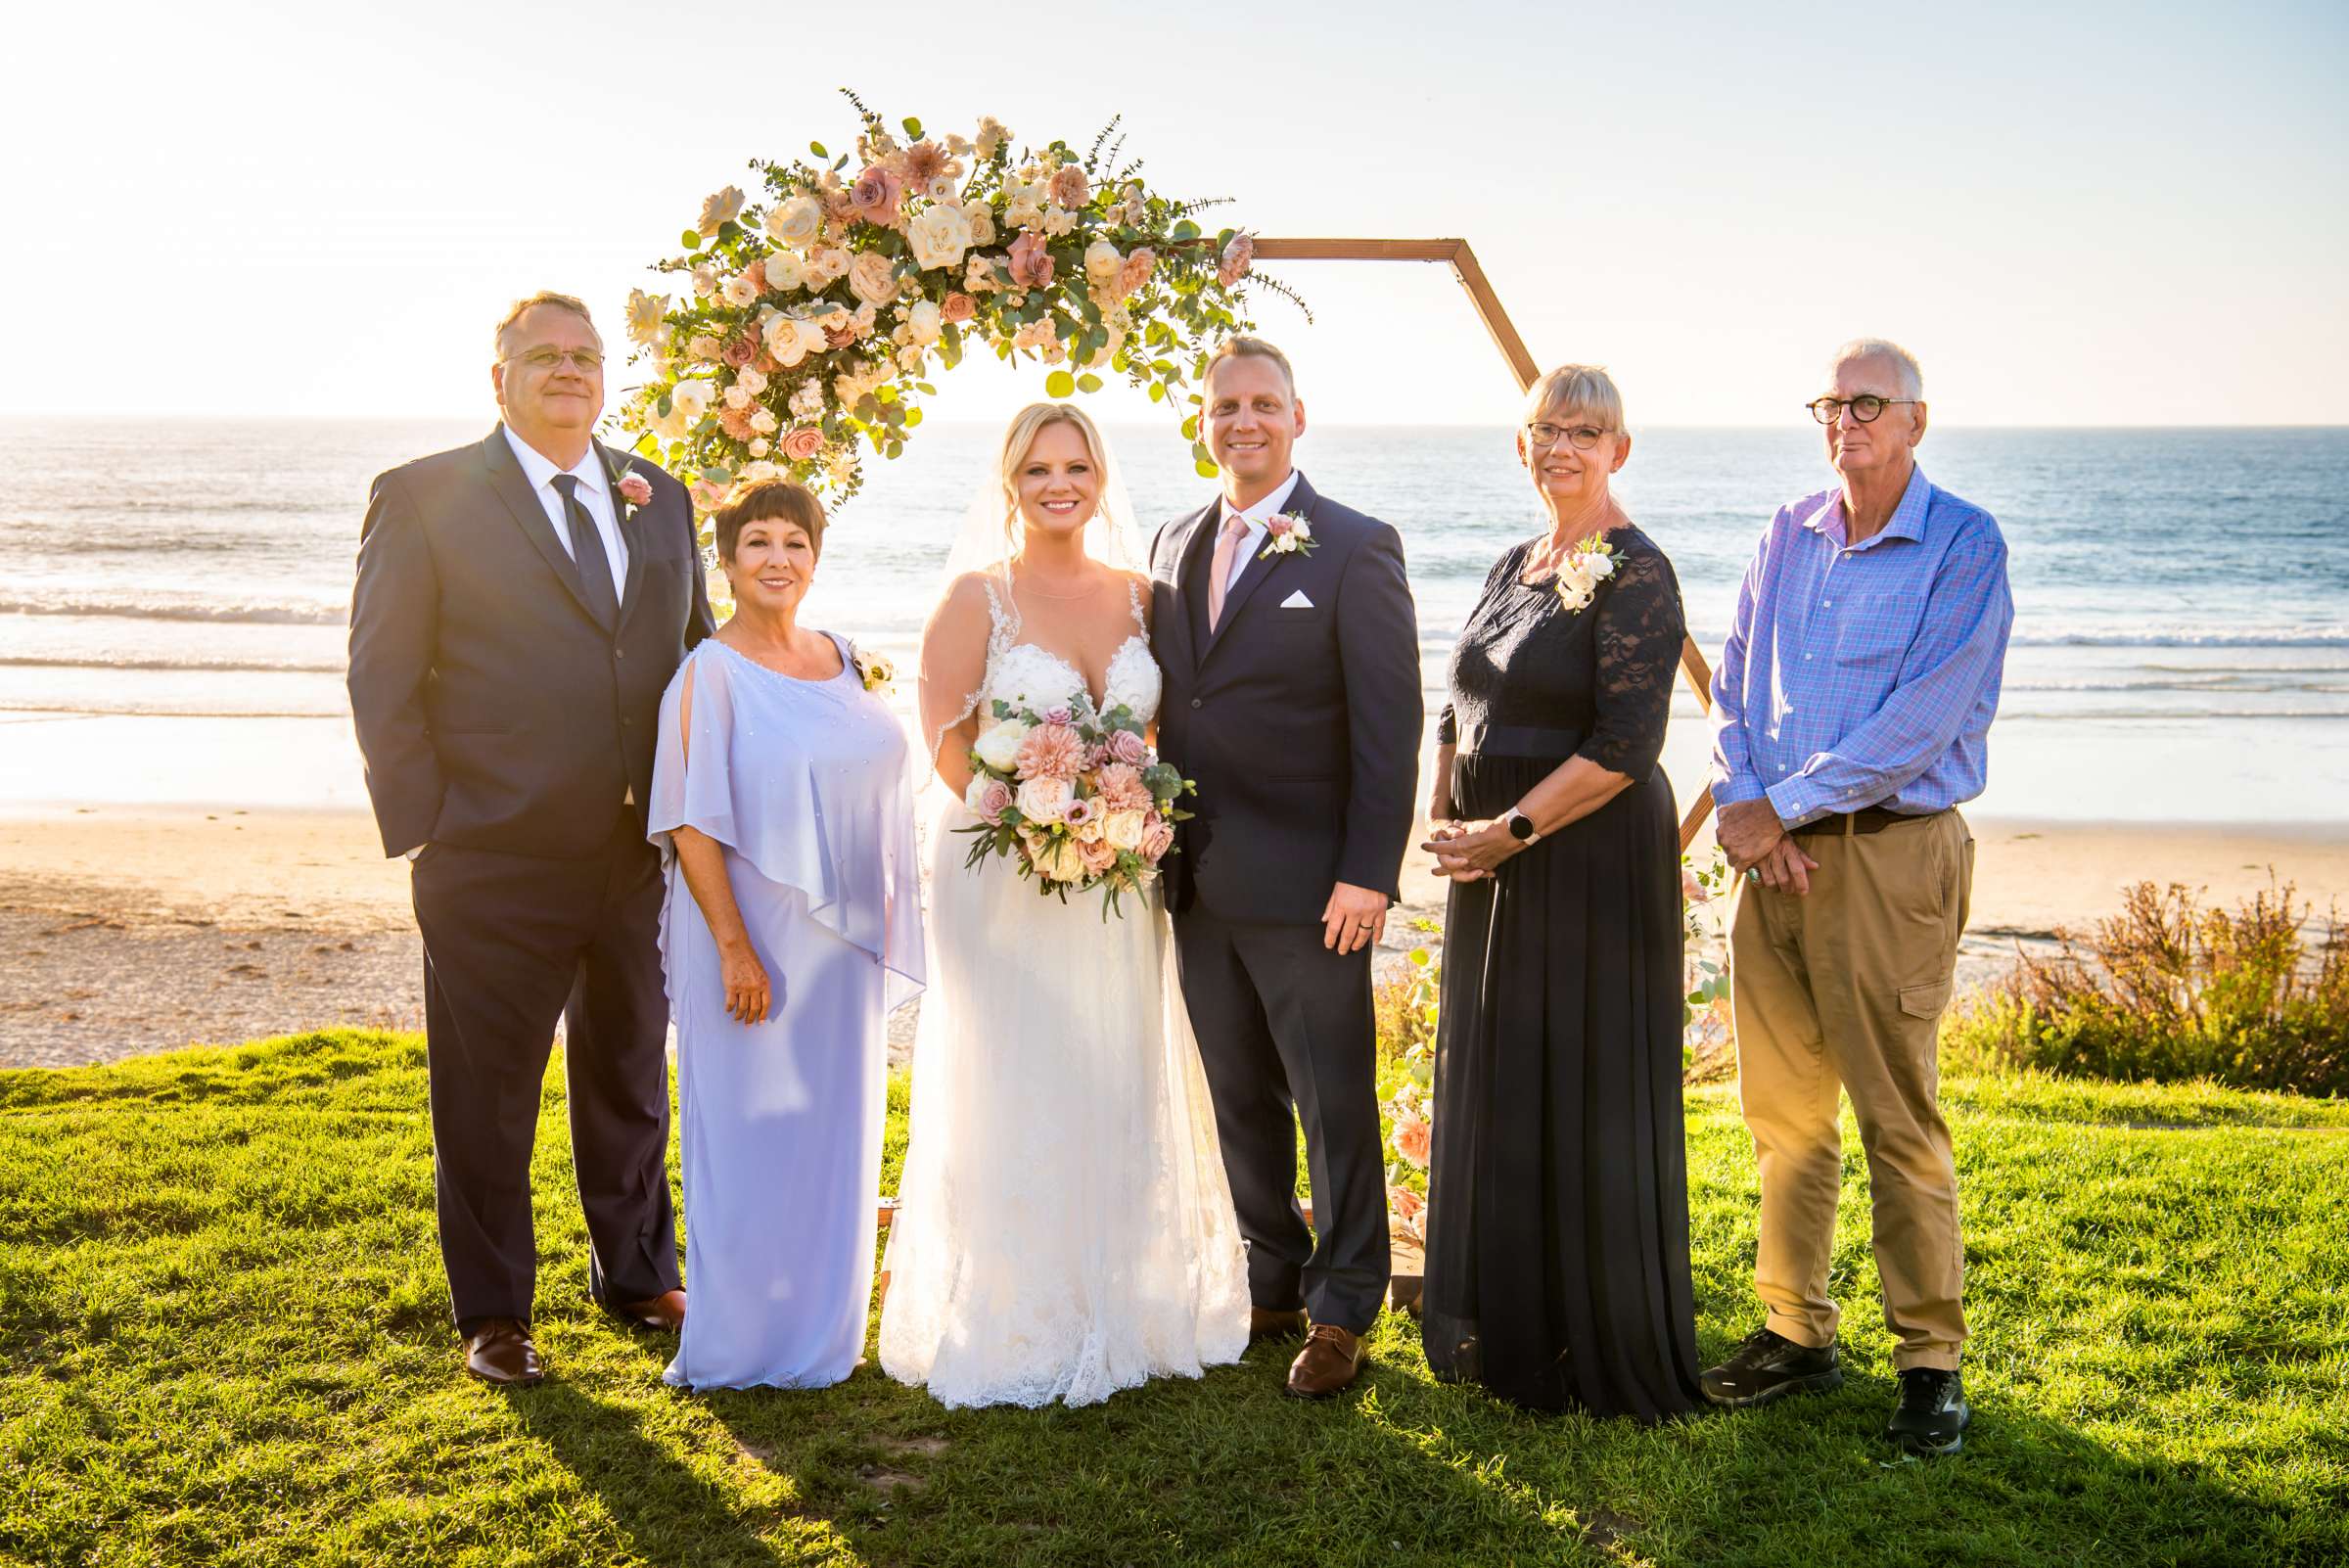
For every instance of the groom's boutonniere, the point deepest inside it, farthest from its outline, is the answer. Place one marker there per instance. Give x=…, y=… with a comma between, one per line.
x=1590, y=564
x=1288, y=533
x=877, y=673
x=633, y=488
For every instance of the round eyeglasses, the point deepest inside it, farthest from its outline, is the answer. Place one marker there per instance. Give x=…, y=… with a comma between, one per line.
x=1581, y=438
x=1864, y=409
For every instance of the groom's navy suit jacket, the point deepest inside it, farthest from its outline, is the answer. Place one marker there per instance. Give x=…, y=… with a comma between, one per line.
x=494, y=709
x=1299, y=716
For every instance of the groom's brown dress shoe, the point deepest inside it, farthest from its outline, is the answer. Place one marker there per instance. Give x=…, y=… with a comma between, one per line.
x=1264, y=1323
x=664, y=1314
x=500, y=1352
x=1332, y=1359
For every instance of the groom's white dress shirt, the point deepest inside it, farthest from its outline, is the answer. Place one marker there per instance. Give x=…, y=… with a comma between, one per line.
x=595, y=494
x=1257, y=517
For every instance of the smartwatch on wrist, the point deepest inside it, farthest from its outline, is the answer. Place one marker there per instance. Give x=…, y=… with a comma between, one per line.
x=1521, y=826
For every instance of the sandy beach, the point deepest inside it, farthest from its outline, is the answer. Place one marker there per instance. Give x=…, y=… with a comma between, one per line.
x=133, y=929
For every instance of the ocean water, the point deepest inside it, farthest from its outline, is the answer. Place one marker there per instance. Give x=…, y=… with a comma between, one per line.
x=2181, y=647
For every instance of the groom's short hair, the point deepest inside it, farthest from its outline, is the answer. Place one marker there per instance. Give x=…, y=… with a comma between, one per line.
x=1240, y=346
x=545, y=296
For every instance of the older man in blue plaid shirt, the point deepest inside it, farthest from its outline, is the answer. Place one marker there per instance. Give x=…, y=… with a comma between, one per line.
x=1850, y=717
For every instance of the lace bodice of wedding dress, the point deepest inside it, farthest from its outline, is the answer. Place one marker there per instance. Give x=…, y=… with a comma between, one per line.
x=1065, y=1229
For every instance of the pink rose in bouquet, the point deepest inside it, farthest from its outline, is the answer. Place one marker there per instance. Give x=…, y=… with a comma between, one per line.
x=1131, y=749
x=1052, y=749
x=1140, y=264
x=994, y=799
x=635, y=489
x=739, y=349
x=1069, y=187
x=958, y=309
x=1031, y=262
x=1097, y=855
x=1158, y=836
x=803, y=441
x=875, y=195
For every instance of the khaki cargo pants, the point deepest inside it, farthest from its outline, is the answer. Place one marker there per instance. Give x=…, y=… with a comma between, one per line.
x=1845, y=986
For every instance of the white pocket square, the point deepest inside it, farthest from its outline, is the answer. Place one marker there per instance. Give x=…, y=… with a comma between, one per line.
x=1297, y=601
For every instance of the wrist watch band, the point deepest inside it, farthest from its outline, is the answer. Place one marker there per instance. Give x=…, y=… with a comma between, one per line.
x=1521, y=827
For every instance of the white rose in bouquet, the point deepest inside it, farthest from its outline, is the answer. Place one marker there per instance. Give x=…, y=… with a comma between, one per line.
x=1060, y=860
x=692, y=398
x=1102, y=264
x=938, y=238
x=924, y=322
x=795, y=223
x=1046, y=801
x=1124, y=829
x=999, y=747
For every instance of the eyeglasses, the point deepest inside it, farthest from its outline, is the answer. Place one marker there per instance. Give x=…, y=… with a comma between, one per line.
x=587, y=360
x=1582, y=436
x=1864, y=407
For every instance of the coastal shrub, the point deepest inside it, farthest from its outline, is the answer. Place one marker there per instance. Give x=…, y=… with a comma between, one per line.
x=2170, y=990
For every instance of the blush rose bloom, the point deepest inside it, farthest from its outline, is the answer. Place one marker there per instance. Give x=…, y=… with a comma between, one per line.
x=635, y=489
x=1236, y=259
x=1030, y=263
x=1413, y=1139
x=1138, y=265
x=1098, y=856
x=958, y=309
x=873, y=278
x=802, y=443
x=1158, y=836
x=1131, y=749
x=1045, y=800
x=875, y=195
x=998, y=746
x=986, y=798
x=938, y=238
x=1067, y=186
x=795, y=223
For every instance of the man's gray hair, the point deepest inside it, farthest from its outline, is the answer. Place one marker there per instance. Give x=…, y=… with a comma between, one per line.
x=1904, y=363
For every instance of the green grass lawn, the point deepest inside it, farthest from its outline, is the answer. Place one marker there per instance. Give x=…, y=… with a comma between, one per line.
x=222, y=1320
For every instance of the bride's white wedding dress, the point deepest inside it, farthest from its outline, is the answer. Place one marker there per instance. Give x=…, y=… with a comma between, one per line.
x=1065, y=1229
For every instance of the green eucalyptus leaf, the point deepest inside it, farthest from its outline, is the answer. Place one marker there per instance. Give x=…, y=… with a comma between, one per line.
x=1207, y=470
x=1158, y=392
x=691, y=239
x=1200, y=453
x=1186, y=230
x=913, y=417
x=1190, y=426
x=1059, y=384
x=913, y=127
x=1090, y=382
x=818, y=148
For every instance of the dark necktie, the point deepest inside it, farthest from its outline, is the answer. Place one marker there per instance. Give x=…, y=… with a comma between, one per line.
x=587, y=551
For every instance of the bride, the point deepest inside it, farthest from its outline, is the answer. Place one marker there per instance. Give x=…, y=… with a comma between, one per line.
x=1065, y=1229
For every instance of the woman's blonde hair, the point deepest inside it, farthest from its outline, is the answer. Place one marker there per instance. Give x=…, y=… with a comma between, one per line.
x=1026, y=426
x=1577, y=393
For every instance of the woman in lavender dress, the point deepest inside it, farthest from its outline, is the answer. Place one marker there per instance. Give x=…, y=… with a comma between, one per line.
x=792, y=929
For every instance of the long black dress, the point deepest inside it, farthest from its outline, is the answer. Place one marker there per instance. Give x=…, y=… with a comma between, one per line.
x=1557, y=1266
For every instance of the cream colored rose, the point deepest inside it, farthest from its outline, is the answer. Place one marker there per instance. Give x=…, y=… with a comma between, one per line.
x=784, y=343
x=761, y=447
x=1060, y=860
x=993, y=134
x=795, y=223
x=1024, y=215
x=786, y=273
x=1045, y=800
x=1000, y=746
x=873, y=278
x=645, y=311
x=831, y=262
x=982, y=225
x=751, y=379
x=1090, y=832
x=924, y=321
x=737, y=292
x=938, y=238
x=701, y=347
x=1059, y=221
x=912, y=360
x=704, y=280
x=759, y=471
x=673, y=426
x=738, y=396
x=1123, y=830
x=720, y=210
x=693, y=396
x=1102, y=264
x=764, y=421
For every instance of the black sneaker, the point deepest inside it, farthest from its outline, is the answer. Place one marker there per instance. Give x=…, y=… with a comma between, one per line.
x=1931, y=1414
x=1770, y=1365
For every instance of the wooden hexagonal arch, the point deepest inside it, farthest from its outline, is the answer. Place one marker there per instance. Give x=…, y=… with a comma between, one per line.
x=1456, y=254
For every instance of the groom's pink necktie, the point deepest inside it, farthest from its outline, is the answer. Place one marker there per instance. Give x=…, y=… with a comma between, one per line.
x=1218, y=571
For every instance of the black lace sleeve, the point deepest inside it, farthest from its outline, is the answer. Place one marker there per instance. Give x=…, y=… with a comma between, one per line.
x=1639, y=632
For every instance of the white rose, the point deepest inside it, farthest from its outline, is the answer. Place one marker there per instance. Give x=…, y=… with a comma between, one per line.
x=751, y=379
x=1124, y=829
x=873, y=278
x=760, y=471
x=720, y=210
x=795, y=223
x=924, y=321
x=738, y=396
x=692, y=398
x=999, y=747
x=737, y=292
x=785, y=272
x=783, y=340
x=761, y=447
x=1045, y=800
x=1024, y=215
x=1091, y=833
x=911, y=359
x=1058, y=221
x=1102, y=261
x=938, y=238
x=645, y=311
x=1602, y=566
x=993, y=134
x=763, y=422
x=704, y=280
x=673, y=426
x=982, y=225
x=973, y=794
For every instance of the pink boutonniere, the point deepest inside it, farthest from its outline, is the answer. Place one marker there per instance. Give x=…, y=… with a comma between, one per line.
x=633, y=488
x=1288, y=533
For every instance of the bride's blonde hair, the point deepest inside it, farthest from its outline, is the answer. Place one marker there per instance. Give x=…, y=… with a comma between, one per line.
x=1026, y=426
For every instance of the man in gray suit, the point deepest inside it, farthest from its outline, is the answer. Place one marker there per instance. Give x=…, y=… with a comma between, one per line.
x=521, y=605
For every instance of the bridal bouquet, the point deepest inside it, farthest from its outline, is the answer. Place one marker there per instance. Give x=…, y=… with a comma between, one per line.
x=1074, y=800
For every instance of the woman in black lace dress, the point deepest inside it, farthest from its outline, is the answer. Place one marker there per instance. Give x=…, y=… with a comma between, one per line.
x=1557, y=1265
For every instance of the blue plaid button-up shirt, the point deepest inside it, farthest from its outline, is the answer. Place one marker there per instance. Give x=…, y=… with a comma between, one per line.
x=1863, y=674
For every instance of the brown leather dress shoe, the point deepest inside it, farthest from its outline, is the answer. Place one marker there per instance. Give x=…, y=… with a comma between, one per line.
x=1264, y=1323
x=664, y=1314
x=1332, y=1359
x=500, y=1352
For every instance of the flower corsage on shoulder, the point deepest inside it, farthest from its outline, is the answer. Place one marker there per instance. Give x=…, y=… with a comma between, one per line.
x=1585, y=568
x=878, y=674
x=1288, y=533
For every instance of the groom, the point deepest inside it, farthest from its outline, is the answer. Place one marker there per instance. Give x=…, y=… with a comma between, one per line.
x=1292, y=698
x=521, y=605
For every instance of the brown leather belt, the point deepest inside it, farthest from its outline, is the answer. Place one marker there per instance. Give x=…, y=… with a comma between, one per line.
x=1872, y=819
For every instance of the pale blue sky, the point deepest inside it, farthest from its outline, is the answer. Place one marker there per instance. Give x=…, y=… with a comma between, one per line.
x=2118, y=214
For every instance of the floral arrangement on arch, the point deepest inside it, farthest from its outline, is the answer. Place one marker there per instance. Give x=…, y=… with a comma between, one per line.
x=807, y=325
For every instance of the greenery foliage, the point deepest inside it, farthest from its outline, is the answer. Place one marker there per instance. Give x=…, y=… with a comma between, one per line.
x=2170, y=990
x=223, y=1340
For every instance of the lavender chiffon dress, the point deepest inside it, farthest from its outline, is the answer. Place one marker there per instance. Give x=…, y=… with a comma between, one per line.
x=804, y=784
